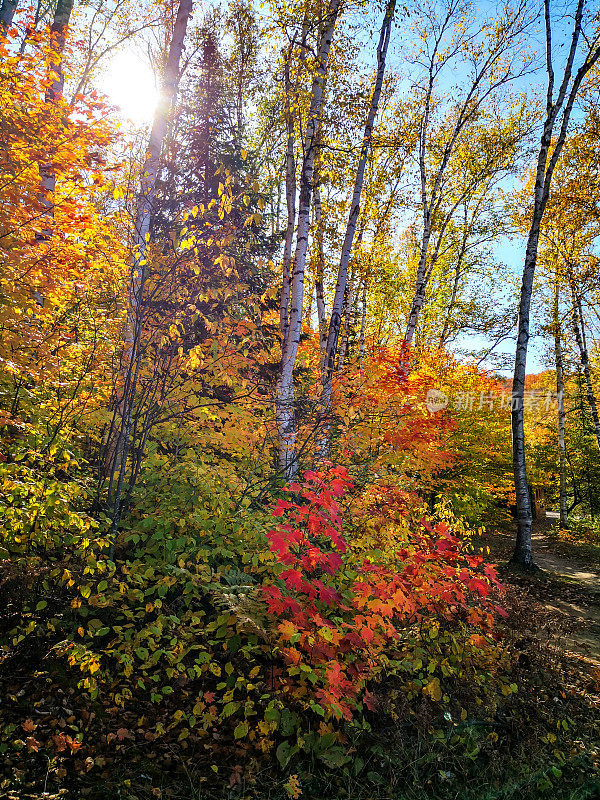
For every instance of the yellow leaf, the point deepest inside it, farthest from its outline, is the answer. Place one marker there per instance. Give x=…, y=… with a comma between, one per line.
x=433, y=689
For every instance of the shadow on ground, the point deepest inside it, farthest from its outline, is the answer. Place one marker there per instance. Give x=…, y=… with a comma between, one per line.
x=568, y=585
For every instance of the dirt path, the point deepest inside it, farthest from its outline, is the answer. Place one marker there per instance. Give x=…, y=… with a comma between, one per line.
x=576, y=570
x=568, y=586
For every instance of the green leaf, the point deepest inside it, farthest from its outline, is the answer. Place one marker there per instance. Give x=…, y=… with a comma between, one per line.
x=272, y=715
x=335, y=757
x=358, y=765
x=289, y=722
x=284, y=752
x=241, y=730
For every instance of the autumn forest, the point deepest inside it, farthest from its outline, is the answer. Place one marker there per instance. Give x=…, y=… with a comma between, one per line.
x=299, y=399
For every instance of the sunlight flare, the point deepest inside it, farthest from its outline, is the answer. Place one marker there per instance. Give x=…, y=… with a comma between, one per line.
x=129, y=83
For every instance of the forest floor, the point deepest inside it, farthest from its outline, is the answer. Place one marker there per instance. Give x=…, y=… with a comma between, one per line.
x=566, y=590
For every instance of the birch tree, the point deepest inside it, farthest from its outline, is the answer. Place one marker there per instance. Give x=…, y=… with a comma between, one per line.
x=320, y=269
x=492, y=54
x=290, y=193
x=54, y=93
x=286, y=423
x=559, y=106
x=342, y=278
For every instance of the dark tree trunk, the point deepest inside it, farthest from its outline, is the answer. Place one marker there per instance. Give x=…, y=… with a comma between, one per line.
x=580, y=337
x=7, y=13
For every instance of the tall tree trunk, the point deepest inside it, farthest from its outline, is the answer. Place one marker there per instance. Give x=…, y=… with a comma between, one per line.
x=347, y=318
x=340, y=288
x=427, y=206
x=420, y=284
x=425, y=268
x=320, y=269
x=58, y=29
x=579, y=331
x=522, y=554
x=290, y=199
x=584, y=428
x=363, y=326
x=348, y=308
x=286, y=422
x=546, y=164
x=291, y=102
x=455, y=283
x=7, y=13
x=145, y=203
x=562, y=452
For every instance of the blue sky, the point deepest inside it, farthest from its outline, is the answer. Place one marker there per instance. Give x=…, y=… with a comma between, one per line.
x=511, y=252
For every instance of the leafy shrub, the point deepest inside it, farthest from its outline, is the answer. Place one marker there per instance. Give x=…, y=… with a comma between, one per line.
x=356, y=611
x=41, y=506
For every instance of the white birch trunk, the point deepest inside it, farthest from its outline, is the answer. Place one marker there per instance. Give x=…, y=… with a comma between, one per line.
x=320, y=270
x=290, y=199
x=426, y=203
x=286, y=423
x=420, y=286
x=512, y=25
x=58, y=29
x=340, y=288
